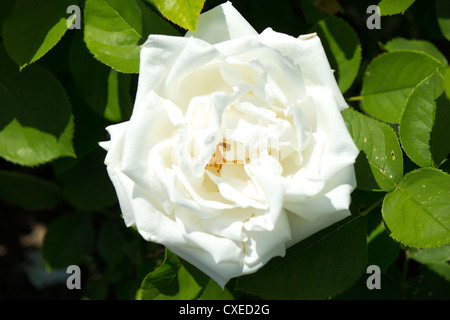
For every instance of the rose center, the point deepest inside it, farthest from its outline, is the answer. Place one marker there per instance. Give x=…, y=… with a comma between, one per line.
x=217, y=160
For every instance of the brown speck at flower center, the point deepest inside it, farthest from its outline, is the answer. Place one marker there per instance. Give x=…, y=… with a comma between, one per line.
x=217, y=160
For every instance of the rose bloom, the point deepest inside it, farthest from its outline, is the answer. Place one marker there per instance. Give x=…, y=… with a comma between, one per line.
x=236, y=148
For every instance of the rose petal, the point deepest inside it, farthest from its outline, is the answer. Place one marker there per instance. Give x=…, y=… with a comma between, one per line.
x=167, y=59
x=310, y=56
x=220, y=24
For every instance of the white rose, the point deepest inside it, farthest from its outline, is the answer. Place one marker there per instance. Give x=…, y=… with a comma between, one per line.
x=236, y=148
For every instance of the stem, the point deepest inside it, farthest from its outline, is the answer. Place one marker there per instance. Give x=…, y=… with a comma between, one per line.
x=372, y=206
x=443, y=161
x=357, y=98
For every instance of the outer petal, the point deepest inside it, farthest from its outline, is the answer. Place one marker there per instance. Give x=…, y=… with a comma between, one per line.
x=112, y=161
x=339, y=150
x=162, y=57
x=308, y=53
x=222, y=23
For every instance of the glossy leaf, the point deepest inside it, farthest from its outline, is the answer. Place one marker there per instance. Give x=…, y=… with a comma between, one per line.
x=319, y=267
x=379, y=166
x=34, y=27
x=181, y=12
x=114, y=30
x=36, y=124
x=343, y=49
x=397, y=44
x=389, y=80
x=417, y=211
x=391, y=7
x=417, y=120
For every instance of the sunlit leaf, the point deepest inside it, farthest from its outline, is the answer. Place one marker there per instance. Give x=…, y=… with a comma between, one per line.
x=181, y=12
x=389, y=80
x=36, y=124
x=417, y=211
x=391, y=7
x=379, y=165
x=415, y=45
x=115, y=29
x=417, y=120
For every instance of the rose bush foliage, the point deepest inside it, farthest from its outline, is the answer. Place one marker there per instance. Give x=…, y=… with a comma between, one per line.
x=243, y=158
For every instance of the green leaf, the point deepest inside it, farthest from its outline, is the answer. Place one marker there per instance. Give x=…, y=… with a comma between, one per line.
x=415, y=45
x=90, y=129
x=343, y=49
x=181, y=12
x=391, y=7
x=319, y=267
x=436, y=259
x=115, y=29
x=68, y=240
x=379, y=166
x=446, y=83
x=389, y=80
x=36, y=124
x=86, y=186
x=175, y=279
x=417, y=211
x=27, y=191
x=111, y=241
x=34, y=27
x=104, y=89
x=443, y=17
x=212, y=291
x=417, y=120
